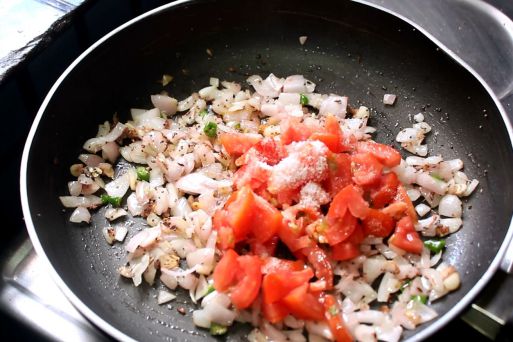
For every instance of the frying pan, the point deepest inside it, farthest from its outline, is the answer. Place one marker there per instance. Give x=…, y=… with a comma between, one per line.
x=352, y=49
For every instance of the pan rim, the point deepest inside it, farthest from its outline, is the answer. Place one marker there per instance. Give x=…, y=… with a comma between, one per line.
x=118, y=334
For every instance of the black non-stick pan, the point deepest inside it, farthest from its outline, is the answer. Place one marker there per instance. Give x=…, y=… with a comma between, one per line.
x=352, y=49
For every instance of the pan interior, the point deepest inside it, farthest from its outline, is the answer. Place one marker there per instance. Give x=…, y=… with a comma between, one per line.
x=351, y=50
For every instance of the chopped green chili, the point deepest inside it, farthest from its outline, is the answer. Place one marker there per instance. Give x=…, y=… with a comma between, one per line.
x=303, y=100
x=115, y=201
x=435, y=246
x=419, y=298
x=217, y=329
x=210, y=129
x=143, y=174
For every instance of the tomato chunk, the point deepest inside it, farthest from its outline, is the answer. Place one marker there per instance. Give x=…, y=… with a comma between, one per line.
x=277, y=285
x=378, y=223
x=266, y=220
x=318, y=258
x=236, y=144
x=405, y=237
x=348, y=198
x=225, y=271
x=303, y=304
x=274, y=312
x=339, y=173
x=341, y=229
x=366, y=169
x=385, y=193
x=387, y=155
x=402, y=196
x=345, y=250
x=335, y=321
x=246, y=291
x=294, y=130
x=239, y=213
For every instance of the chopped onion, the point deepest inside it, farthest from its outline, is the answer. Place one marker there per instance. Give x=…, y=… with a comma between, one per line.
x=75, y=188
x=95, y=144
x=453, y=224
x=165, y=104
x=389, y=99
x=90, y=159
x=334, y=104
x=450, y=206
x=80, y=214
x=110, y=151
x=121, y=233
x=201, y=318
x=432, y=184
x=422, y=209
x=90, y=201
x=165, y=297
x=119, y=186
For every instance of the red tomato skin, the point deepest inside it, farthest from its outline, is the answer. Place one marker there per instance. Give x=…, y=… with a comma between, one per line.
x=236, y=144
x=387, y=155
x=266, y=220
x=304, y=305
x=225, y=271
x=319, y=260
x=339, y=173
x=341, y=229
x=385, y=193
x=244, y=293
x=332, y=141
x=271, y=151
x=335, y=321
x=294, y=130
x=378, y=223
x=239, y=213
x=274, y=312
x=402, y=196
x=350, y=198
x=366, y=169
x=405, y=237
x=277, y=285
x=345, y=251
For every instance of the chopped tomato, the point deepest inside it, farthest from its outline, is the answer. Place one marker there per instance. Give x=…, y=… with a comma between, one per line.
x=378, y=223
x=277, y=285
x=246, y=215
x=320, y=262
x=239, y=212
x=385, y=193
x=348, y=198
x=402, y=196
x=293, y=236
x=405, y=237
x=253, y=174
x=303, y=304
x=270, y=151
x=335, y=321
x=272, y=264
x=225, y=237
x=345, y=250
x=387, y=155
x=266, y=220
x=237, y=144
x=274, y=312
x=341, y=229
x=288, y=196
x=225, y=271
x=294, y=130
x=339, y=173
x=247, y=288
x=357, y=236
x=332, y=141
x=366, y=169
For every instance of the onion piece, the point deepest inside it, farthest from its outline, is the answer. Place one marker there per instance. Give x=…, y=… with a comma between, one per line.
x=90, y=159
x=197, y=183
x=90, y=201
x=165, y=297
x=75, y=188
x=113, y=213
x=389, y=99
x=80, y=214
x=94, y=145
x=450, y=206
x=431, y=183
x=334, y=104
x=165, y=104
x=121, y=233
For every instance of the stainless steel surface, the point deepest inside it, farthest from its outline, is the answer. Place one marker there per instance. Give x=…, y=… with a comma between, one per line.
x=475, y=31
x=29, y=293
